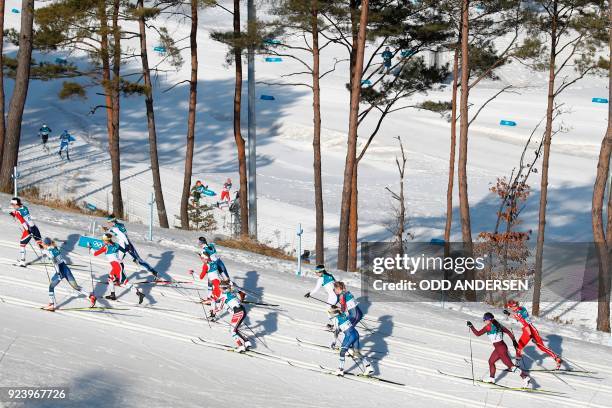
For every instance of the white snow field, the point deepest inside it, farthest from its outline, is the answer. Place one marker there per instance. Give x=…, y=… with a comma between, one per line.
x=285, y=188
x=149, y=355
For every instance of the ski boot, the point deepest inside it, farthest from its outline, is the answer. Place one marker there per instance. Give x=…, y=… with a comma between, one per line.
x=50, y=307
x=527, y=382
x=21, y=263
x=339, y=372
x=488, y=380
x=241, y=348
x=368, y=370
x=247, y=345
x=558, y=361
x=111, y=296
x=92, y=300
x=140, y=295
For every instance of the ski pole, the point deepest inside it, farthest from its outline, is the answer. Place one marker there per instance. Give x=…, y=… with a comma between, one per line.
x=257, y=337
x=471, y=357
x=200, y=297
x=90, y=270
x=320, y=300
x=44, y=262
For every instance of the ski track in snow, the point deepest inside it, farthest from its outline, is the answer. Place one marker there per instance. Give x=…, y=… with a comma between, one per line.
x=148, y=352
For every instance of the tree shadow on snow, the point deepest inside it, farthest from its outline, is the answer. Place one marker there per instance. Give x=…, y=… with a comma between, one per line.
x=92, y=389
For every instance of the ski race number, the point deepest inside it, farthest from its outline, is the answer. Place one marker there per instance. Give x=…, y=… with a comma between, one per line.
x=91, y=242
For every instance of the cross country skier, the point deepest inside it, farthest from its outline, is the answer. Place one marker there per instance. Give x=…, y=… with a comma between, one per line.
x=348, y=303
x=52, y=252
x=341, y=323
x=44, y=132
x=231, y=301
x=210, y=269
x=116, y=276
x=211, y=250
x=30, y=230
x=120, y=232
x=65, y=139
x=326, y=281
x=495, y=331
x=520, y=314
x=225, y=193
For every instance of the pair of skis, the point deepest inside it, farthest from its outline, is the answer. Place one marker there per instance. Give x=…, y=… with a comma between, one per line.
x=319, y=369
x=505, y=387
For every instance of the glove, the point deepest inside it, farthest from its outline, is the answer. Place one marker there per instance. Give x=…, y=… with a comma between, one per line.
x=469, y=324
x=332, y=345
x=190, y=272
x=307, y=295
x=507, y=313
x=515, y=344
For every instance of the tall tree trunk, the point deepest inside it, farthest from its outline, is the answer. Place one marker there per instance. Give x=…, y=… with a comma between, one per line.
x=353, y=221
x=352, y=138
x=18, y=99
x=2, y=125
x=316, y=138
x=464, y=205
x=157, y=186
x=240, y=143
x=115, y=151
x=537, y=284
x=602, y=240
x=451, y=158
x=191, y=118
x=106, y=70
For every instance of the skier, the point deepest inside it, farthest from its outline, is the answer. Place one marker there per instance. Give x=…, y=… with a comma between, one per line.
x=347, y=302
x=211, y=250
x=30, y=230
x=65, y=139
x=120, y=232
x=520, y=314
x=225, y=193
x=52, y=252
x=495, y=331
x=116, y=276
x=210, y=269
x=230, y=301
x=197, y=190
x=342, y=324
x=387, y=56
x=326, y=281
x=44, y=132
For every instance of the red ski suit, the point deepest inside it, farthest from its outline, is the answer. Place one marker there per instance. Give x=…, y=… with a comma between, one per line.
x=529, y=333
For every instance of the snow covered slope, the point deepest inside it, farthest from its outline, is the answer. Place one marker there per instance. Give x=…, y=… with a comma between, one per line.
x=150, y=355
x=284, y=146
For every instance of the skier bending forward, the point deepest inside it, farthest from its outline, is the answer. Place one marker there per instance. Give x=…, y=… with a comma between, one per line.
x=116, y=276
x=495, y=332
x=326, y=281
x=30, y=230
x=231, y=301
x=52, y=252
x=520, y=314
x=342, y=324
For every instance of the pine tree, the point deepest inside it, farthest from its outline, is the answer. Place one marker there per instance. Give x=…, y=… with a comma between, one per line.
x=566, y=35
x=84, y=25
x=601, y=235
x=15, y=113
x=237, y=41
x=142, y=14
